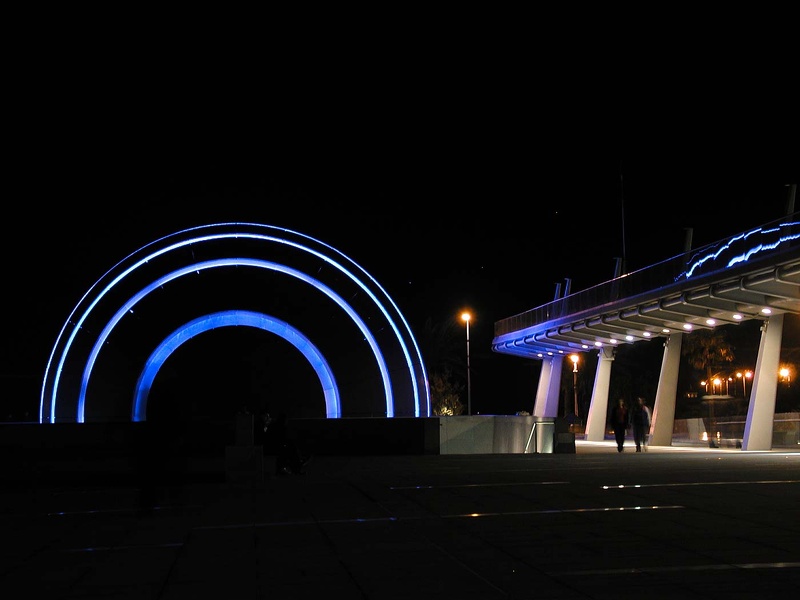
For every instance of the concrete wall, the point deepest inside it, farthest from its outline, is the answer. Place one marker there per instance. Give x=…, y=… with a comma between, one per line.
x=485, y=434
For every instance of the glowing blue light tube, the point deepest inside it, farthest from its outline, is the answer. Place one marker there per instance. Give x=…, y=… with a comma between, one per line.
x=235, y=318
x=756, y=247
x=226, y=262
x=53, y=376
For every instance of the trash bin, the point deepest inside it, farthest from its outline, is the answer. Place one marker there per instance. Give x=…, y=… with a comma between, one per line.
x=564, y=443
x=564, y=439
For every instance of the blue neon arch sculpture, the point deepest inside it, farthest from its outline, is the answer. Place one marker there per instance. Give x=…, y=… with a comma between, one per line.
x=69, y=368
x=228, y=319
x=128, y=307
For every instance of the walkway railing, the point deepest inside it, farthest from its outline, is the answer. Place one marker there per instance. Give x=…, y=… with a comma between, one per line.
x=685, y=271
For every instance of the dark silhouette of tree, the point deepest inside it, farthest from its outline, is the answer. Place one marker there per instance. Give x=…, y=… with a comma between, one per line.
x=445, y=395
x=442, y=349
x=442, y=346
x=707, y=350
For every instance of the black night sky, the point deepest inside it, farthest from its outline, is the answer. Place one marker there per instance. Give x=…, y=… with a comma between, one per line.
x=449, y=200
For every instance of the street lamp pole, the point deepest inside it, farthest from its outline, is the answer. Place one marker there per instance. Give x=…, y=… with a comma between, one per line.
x=466, y=318
x=744, y=377
x=574, y=359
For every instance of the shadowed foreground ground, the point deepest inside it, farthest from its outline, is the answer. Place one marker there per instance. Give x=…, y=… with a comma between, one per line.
x=683, y=523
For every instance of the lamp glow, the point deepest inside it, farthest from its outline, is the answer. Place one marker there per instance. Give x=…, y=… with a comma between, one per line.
x=574, y=358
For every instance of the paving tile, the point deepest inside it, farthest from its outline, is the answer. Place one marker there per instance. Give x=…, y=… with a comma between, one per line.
x=594, y=524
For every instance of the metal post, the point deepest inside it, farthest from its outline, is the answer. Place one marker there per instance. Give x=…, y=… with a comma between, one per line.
x=469, y=383
x=575, y=386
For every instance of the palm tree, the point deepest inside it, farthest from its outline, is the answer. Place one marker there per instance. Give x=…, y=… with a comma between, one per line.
x=707, y=350
x=445, y=395
x=442, y=351
x=441, y=346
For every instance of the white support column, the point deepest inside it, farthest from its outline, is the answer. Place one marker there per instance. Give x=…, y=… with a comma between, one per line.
x=761, y=410
x=598, y=408
x=666, y=394
x=549, y=388
x=540, y=405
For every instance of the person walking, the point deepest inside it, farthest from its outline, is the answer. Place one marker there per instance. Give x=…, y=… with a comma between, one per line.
x=640, y=420
x=646, y=438
x=620, y=423
x=288, y=458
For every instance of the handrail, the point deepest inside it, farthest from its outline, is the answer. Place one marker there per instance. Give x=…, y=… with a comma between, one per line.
x=681, y=272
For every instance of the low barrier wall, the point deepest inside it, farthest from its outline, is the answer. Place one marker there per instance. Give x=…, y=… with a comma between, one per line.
x=73, y=451
x=76, y=451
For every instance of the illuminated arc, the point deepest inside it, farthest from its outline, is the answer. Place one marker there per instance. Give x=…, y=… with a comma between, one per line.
x=697, y=261
x=127, y=307
x=235, y=318
x=54, y=374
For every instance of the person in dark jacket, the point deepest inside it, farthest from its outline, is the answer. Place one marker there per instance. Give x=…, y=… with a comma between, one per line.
x=620, y=423
x=640, y=420
x=288, y=458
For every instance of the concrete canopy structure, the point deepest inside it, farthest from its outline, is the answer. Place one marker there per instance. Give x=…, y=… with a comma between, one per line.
x=752, y=275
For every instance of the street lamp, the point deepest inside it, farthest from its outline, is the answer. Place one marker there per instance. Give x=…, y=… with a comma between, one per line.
x=744, y=377
x=466, y=317
x=574, y=359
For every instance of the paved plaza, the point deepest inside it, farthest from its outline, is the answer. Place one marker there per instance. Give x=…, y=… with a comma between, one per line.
x=682, y=523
